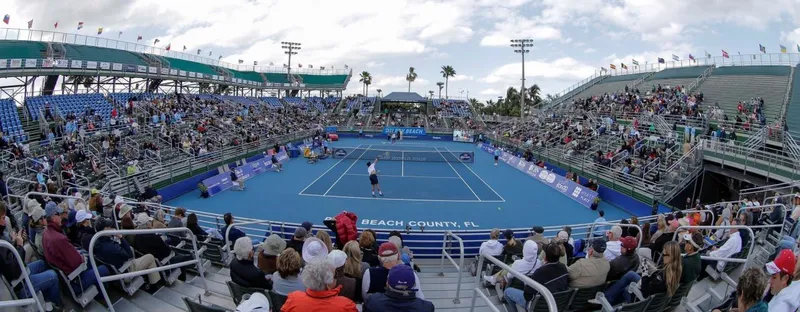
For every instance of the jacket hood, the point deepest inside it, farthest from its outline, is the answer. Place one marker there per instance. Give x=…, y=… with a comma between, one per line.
x=530, y=251
x=493, y=246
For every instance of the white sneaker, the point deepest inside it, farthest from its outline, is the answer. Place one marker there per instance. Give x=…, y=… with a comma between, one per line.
x=495, y=164
x=490, y=279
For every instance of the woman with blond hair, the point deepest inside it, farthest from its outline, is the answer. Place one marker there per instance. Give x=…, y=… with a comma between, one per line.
x=353, y=266
x=661, y=225
x=326, y=239
x=287, y=278
x=668, y=275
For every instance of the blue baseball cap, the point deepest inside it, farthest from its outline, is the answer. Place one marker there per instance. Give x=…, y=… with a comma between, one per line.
x=401, y=278
x=51, y=209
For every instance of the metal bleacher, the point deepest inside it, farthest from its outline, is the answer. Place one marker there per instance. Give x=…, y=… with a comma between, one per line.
x=731, y=84
x=610, y=84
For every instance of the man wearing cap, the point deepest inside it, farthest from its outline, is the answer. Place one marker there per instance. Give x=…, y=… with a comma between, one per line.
x=375, y=278
x=60, y=253
x=234, y=234
x=321, y=291
x=537, y=235
x=691, y=261
x=43, y=279
x=83, y=228
x=243, y=272
x=297, y=240
x=781, y=271
x=399, y=295
x=592, y=270
x=628, y=260
x=613, y=245
x=268, y=253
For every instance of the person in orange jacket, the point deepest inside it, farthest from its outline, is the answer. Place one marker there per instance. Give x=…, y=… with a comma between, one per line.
x=322, y=294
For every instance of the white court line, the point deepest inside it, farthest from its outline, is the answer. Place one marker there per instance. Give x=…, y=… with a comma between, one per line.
x=459, y=175
x=408, y=199
x=324, y=173
x=476, y=175
x=402, y=176
x=348, y=169
x=402, y=163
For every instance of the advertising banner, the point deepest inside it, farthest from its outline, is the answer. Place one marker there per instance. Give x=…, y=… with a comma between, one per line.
x=573, y=190
x=222, y=181
x=105, y=65
x=91, y=65
x=331, y=129
x=463, y=136
x=407, y=131
x=30, y=63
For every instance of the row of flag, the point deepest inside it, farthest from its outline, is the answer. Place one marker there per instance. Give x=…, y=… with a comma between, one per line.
x=7, y=19
x=676, y=58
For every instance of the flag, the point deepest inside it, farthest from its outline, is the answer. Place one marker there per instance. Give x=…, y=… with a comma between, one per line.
x=691, y=57
x=285, y=66
x=6, y=19
x=635, y=62
x=661, y=60
x=169, y=46
x=220, y=57
x=198, y=51
x=255, y=63
x=80, y=25
x=762, y=48
x=119, y=35
x=322, y=68
x=310, y=66
x=675, y=57
x=30, y=24
x=798, y=48
x=99, y=30
x=155, y=42
x=241, y=61
x=614, y=67
x=271, y=64
x=139, y=38
x=725, y=54
x=345, y=66
x=602, y=69
x=56, y=25
x=184, y=48
x=783, y=49
x=708, y=55
x=624, y=66
x=299, y=65
x=209, y=53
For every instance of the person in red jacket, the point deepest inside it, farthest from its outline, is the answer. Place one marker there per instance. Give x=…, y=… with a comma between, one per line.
x=60, y=253
x=346, y=229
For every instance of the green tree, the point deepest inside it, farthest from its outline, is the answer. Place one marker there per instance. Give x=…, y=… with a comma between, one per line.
x=447, y=72
x=410, y=77
x=441, y=86
x=366, y=79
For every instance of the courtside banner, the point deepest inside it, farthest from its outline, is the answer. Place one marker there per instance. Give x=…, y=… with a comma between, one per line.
x=222, y=181
x=573, y=190
x=407, y=131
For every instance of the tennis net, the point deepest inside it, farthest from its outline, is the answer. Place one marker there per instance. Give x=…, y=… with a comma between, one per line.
x=393, y=155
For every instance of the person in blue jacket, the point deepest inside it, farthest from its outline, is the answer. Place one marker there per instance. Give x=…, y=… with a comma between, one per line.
x=400, y=294
x=234, y=234
x=115, y=251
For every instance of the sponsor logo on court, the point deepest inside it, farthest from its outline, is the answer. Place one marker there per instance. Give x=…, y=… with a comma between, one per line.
x=562, y=187
x=576, y=192
x=340, y=152
x=465, y=156
x=437, y=138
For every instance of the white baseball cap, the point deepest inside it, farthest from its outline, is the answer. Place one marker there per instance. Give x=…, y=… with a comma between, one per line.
x=83, y=215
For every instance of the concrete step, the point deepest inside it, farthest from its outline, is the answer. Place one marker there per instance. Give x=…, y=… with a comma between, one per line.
x=148, y=302
x=190, y=290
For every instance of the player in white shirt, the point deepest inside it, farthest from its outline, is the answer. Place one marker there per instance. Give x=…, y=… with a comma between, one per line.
x=373, y=177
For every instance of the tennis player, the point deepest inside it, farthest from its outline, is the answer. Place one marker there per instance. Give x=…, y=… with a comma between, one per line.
x=373, y=177
x=238, y=184
x=497, y=153
x=394, y=137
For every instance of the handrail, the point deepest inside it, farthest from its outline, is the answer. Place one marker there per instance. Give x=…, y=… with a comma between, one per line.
x=8, y=190
x=718, y=227
x=24, y=272
x=543, y=291
x=228, y=244
x=636, y=226
x=127, y=275
x=446, y=241
x=50, y=195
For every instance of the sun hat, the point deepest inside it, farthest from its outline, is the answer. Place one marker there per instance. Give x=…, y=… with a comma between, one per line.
x=314, y=250
x=273, y=245
x=337, y=258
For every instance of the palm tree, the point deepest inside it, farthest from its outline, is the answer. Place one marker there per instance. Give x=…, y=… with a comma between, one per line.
x=534, y=96
x=410, y=77
x=447, y=72
x=379, y=91
x=366, y=79
x=441, y=86
x=431, y=93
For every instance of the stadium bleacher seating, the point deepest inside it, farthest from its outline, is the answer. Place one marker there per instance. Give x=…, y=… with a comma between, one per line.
x=323, y=79
x=731, y=84
x=23, y=49
x=247, y=75
x=75, y=103
x=272, y=102
x=9, y=119
x=609, y=84
x=190, y=66
x=682, y=76
x=793, y=107
x=88, y=53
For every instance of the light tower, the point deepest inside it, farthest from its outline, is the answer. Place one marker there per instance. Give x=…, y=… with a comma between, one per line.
x=520, y=46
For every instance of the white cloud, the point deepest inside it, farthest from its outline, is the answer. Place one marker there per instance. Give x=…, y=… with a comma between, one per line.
x=374, y=64
x=589, y=50
x=462, y=78
x=793, y=37
x=565, y=68
x=519, y=27
x=490, y=91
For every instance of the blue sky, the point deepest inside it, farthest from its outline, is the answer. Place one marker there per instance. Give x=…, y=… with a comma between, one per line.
x=572, y=38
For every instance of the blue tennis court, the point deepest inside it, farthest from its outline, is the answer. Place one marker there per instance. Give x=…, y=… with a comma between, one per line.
x=441, y=192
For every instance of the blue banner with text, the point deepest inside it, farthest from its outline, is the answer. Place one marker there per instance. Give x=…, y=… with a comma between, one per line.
x=577, y=192
x=222, y=181
x=407, y=131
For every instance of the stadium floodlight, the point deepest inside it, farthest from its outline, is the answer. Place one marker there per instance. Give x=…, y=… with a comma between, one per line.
x=520, y=46
x=291, y=49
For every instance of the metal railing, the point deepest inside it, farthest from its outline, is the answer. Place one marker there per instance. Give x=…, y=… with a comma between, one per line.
x=446, y=244
x=128, y=275
x=478, y=290
x=635, y=226
x=34, y=299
